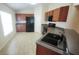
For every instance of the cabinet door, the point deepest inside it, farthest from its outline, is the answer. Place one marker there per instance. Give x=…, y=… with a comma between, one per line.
x=50, y=13
x=20, y=17
x=63, y=13
x=21, y=27
x=56, y=14
x=45, y=51
x=47, y=14
x=18, y=29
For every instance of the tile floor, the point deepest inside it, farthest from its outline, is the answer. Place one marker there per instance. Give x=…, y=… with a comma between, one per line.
x=22, y=44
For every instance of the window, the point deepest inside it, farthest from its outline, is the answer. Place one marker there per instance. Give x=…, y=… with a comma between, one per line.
x=6, y=20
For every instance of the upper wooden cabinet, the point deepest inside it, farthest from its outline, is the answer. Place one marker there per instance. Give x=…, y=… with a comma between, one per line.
x=56, y=15
x=22, y=17
x=50, y=13
x=59, y=14
x=63, y=13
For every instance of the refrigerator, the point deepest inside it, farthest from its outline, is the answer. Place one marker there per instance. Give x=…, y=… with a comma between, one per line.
x=30, y=24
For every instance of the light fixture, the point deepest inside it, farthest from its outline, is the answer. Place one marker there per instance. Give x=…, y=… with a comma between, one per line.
x=33, y=3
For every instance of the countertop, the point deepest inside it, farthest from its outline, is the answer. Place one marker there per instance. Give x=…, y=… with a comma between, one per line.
x=52, y=47
x=72, y=40
x=57, y=30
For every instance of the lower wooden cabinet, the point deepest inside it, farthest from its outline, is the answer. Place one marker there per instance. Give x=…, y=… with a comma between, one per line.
x=21, y=27
x=40, y=50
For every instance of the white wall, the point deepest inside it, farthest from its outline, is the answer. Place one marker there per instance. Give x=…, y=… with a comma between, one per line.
x=39, y=13
x=75, y=19
x=3, y=39
x=71, y=18
x=52, y=6
x=38, y=18
x=26, y=11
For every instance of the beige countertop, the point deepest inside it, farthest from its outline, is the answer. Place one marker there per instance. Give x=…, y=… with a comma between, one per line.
x=72, y=40
x=58, y=31
x=51, y=47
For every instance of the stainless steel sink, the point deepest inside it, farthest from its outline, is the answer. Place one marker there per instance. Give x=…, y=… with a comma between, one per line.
x=53, y=39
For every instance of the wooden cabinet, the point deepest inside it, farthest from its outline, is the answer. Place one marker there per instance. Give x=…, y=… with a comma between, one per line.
x=63, y=13
x=21, y=27
x=56, y=14
x=59, y=14
x=44, y=51
x=21, y=22
x=51, y=13
x=22, y=17
x=47, y=14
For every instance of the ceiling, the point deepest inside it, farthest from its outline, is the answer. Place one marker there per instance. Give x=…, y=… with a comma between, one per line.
x=20, y=6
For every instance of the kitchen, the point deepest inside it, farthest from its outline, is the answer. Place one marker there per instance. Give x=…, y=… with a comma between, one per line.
x=41, y=29
x=67, y=42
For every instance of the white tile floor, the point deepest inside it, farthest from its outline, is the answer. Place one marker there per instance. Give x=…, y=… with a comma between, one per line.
x=22, y=44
